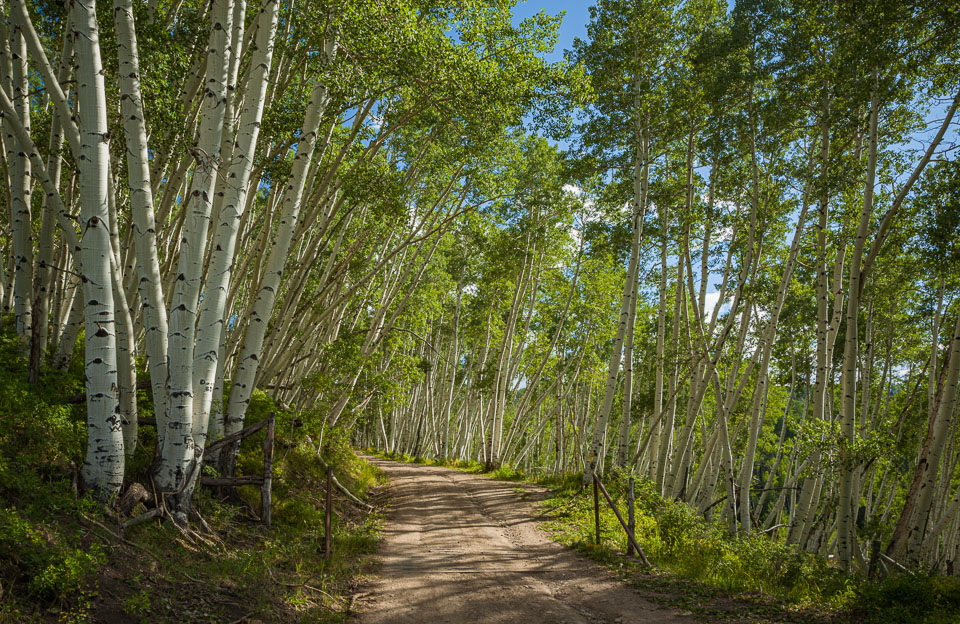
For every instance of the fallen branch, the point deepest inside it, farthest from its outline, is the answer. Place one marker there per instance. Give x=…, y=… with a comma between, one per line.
x=203, y=523
x=153, y=513
x=245, y=617
x=774, y=489
x=84, y=518
x=233, y=437
x=338, y=485
x=626, y=529
x=230, y=481
x=899, y=565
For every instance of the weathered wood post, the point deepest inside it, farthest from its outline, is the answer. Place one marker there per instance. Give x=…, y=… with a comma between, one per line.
x=620, y=519
x=596, y=508
x=631, y=520
x=328, y=518
x=873, y=568
x=265, y=489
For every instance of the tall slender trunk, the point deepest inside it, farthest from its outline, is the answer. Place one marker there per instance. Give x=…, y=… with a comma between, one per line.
x=664, y=455
x=103, y=468
x=251, y=351
x=641, y=178
x=175, y=445
x=768, y=337
x=20, y=187
x=801, y=516
x=610, y=388
x=149, y=282
x=44, y=279
x=126, y=341
x=454, y=364
x=847, y=547
x=909, y=532
x=659, y=361
x=236, y=186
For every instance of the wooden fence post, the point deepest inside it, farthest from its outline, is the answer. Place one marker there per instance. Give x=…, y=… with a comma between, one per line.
x=631, y=520
x=328, y=519
x=623, y=524
x=596, y=509
x=265, y=490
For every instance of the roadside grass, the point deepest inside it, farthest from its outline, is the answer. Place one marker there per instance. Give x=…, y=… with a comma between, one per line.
x=64, y=559
x=502, y=473
x=700, y=568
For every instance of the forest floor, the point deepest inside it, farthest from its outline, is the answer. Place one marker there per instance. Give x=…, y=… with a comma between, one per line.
x=458, y=547
x=67, y=559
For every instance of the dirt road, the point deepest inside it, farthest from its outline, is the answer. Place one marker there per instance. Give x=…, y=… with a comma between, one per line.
x=461, y=548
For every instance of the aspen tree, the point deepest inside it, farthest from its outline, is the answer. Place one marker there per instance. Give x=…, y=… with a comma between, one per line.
x=250, y=354
x=175, y=425
x=149, y=281
x=44, y=278
x=103, y=467
x=20, y=185
x=236, y=187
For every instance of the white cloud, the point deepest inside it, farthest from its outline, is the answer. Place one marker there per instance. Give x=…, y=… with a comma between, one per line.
x=710, y=302
x=576, y=238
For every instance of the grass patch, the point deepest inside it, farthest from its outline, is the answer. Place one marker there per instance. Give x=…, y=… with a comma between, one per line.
x=503, y=472
x=698, y=566
x=903, y=598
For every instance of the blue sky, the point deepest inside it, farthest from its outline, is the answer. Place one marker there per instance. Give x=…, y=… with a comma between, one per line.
x=574, y=22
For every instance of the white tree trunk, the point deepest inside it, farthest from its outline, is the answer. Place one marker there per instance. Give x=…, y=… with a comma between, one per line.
x=600, y=424
x=251, y=352
x=175, y=427
x=44, y=280
x=236, y=186
x=103, y=468
x=20, y=187
x=641, y=174
x=149, y=282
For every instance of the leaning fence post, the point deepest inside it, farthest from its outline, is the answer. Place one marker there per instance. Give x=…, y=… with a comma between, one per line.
x=265, y=489
x=620, y=519
x=327, y=518
x=631, y=520
x=596, y=509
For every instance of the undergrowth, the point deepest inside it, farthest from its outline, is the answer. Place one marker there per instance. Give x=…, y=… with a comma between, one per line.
x=62, y=558
x=699, y=566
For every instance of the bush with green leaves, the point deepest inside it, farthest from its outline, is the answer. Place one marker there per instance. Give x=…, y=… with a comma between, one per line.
x=910, y=599
x=678, y=540
x=51, y=570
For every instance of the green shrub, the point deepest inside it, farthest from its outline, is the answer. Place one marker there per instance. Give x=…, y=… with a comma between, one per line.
x=507, y=473
x=138, y=603
x=903, y=599
x=679, y=541
x=52, y=571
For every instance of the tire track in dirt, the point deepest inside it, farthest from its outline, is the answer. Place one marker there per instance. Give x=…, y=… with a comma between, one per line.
x=463, y=548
